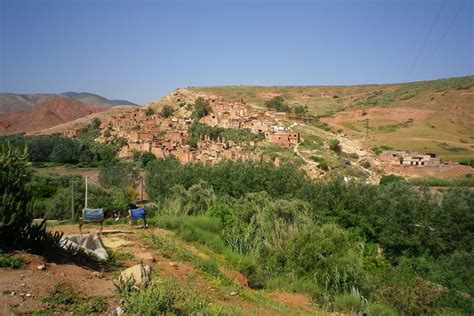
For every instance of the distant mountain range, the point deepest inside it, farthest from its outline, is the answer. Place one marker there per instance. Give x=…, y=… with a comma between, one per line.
x=48, y=113
x=90, y=98
x=29, y=113
x=12, y=102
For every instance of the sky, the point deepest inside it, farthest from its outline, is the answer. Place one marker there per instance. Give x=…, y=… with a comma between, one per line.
x=140, y=50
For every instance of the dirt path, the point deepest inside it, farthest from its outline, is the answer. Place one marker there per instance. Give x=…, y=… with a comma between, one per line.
x=131, y=247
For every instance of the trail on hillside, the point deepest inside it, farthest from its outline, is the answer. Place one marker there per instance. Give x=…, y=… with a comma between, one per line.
x=132, y=246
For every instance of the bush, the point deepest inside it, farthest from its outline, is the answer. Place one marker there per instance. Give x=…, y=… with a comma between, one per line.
x=386, y=179
x=149, y=111
x=350, y=303
x=15, y=206
x=163, y=296
x=201, y=108
x=8, y=261
x=334, y=145
x=167, y=111
x=376, y=309
x=278, y=104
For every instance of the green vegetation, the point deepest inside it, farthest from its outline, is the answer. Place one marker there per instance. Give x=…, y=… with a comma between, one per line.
x=64, y=150
x=334, y=145
x=163, y=296
x=379, y=149
x=283, y=230
x=393, y=127
x=149, y=111
x=278, y=104
x=201, y=108
x=240, y=135
x=438, y=182
x=467, y=162
x=166, y=111
x=450, y=148
x=119, y=175
x=61, y=297
x=410, y=90
x=9, y=261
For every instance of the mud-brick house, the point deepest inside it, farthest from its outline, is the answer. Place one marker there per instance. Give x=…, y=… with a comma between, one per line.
x=73, y=133
x=140, y=146
x=401, y=158
x=210, y=119
x=142, y=135
x=285, y=139
x=419, y=160
x=179, y=136
x=185, y=155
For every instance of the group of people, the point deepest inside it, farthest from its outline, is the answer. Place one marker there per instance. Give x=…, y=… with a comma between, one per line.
x=97, y=215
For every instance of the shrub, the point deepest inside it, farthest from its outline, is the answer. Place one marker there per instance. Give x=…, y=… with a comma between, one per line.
x=386, y=179
x=8, y=261
x=376, y=309
x=167, y=111
x=350, y=302
x=201, y=108
x=334, y=145
x=15, y=206
x=149, y=111
x=278, y=104
x=163, y=296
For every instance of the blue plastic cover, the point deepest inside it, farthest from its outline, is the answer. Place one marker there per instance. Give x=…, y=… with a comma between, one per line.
x=92, y=215
x=137, y=213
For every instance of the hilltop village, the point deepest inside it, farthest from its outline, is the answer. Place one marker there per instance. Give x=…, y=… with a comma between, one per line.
x=171, y=135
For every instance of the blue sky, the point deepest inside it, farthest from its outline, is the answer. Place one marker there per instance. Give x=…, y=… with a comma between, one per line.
x=140, y=50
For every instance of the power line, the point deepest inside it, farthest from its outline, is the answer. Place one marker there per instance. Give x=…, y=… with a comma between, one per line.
x=441, y=39
x=426, y=39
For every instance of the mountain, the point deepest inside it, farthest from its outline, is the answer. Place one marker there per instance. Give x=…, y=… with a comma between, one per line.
x=12, y=102
x=50, y=112
x=434, y=116
x=94, y=99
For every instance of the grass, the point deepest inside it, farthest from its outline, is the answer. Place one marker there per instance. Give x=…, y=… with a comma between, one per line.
x=205, y=238
x=62, y=297
x=9, y=261
x=163, y=296
x=437, y=182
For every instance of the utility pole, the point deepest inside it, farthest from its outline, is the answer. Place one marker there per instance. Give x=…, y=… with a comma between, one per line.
x=72, y=200
x=367, y=129
x=85, y=202
x=142, y=187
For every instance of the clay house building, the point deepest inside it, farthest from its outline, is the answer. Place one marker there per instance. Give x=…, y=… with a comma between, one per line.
x=419, y=160
x=401, y=158
x=137, y=136
x=285, y=139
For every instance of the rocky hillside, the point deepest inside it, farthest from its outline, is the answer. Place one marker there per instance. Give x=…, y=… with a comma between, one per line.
x=431, y=116
x=50, y=112
x=14, y=102
x=94, y=99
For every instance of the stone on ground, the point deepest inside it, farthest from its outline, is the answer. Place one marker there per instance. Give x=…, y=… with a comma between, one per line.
x=140, y=274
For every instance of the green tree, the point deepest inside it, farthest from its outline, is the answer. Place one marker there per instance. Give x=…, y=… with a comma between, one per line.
x=149, y=111
x=300, y=109
x=278, y=104
x=15, y=206
x=119, y=175
x=167, y=111
x=334, y=145
x=201, y=108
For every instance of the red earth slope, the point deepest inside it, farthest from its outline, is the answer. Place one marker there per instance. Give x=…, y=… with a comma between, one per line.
x=51, y=112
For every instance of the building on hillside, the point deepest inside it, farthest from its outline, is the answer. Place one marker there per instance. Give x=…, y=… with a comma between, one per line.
x=402, y=158
x=285, y=139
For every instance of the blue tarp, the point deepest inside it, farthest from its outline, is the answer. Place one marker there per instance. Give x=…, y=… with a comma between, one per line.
x=137, y=213
x=92, y=215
